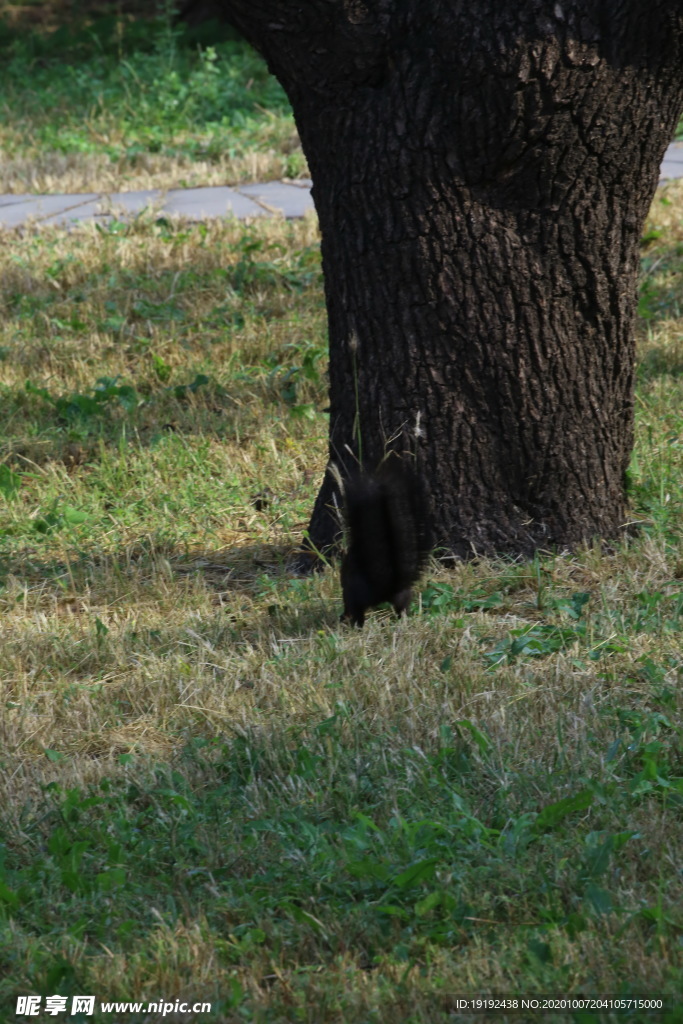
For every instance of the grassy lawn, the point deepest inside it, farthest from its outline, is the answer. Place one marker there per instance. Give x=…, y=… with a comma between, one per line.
x=210, y=789
x=114, y=104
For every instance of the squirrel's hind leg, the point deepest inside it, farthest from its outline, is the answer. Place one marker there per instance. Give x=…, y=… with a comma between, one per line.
x=401, y=601
x=353, y=617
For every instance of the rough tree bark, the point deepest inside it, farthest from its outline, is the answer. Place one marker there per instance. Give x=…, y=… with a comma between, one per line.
x=481, y=174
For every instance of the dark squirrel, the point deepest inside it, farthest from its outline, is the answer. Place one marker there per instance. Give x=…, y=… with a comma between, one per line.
x=388, y=541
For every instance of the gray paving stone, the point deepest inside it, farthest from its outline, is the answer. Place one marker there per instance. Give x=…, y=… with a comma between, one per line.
x=44, y=208
x=209, y=203
x=672, y=164
x=71, y=215
x=11, y=200
x=130, y=202
x=284, y=197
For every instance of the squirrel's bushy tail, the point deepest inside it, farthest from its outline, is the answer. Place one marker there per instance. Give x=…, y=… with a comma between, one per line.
x=388, y=540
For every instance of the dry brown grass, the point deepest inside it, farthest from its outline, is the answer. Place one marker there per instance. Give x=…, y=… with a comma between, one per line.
x=39, y=172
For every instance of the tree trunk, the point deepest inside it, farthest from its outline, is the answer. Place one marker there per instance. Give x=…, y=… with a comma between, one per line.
x=481, y=174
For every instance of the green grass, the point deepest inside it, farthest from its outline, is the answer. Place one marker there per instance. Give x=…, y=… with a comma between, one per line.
x=209, y=788
x=117, y=104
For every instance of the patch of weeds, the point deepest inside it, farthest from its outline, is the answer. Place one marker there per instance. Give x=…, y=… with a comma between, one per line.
x=83, y=407
x=161, y=368
x=182, y=391
x=287, y=381
x=58, y=516
x=657, y=612
x=441, y=598
x=648, y=749
x=10, y=482
x=573, y=606
x=608, y=631
x=158, y=312
x=542, y=639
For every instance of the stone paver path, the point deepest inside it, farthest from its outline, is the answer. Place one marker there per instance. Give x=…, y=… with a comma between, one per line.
x=672, y=164
x=288, y=198
x=291, y=199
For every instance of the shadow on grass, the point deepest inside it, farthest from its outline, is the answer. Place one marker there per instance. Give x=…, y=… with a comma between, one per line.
x=234, y=568
x=660, y=361
x=107, y=413
x=267, y=575
x=42, y=427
